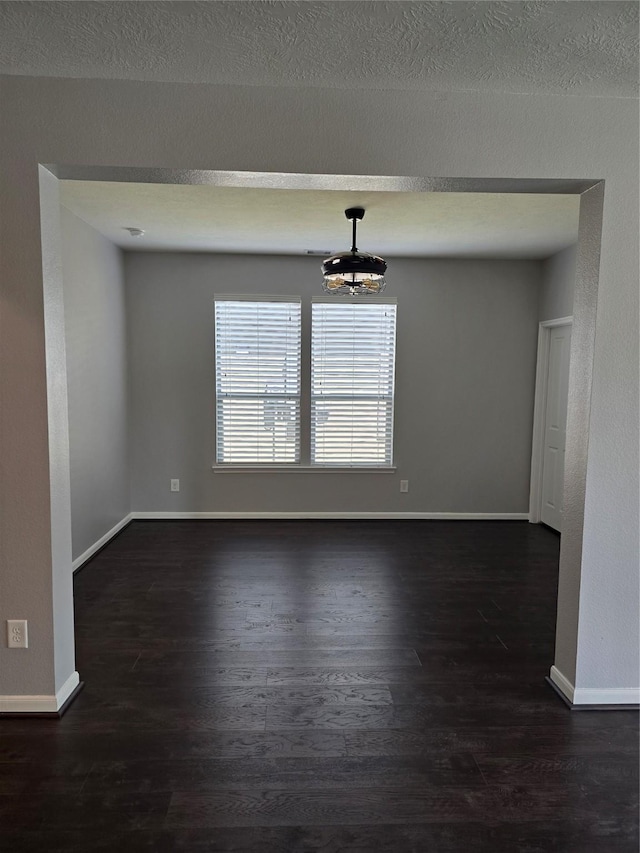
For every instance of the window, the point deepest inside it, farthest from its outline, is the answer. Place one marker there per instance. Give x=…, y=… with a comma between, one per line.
x=258, y=368
x=257, y=380
x=352, y=382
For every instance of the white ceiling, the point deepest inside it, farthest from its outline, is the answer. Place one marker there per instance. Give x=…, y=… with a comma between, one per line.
x=587, y=47
x=275, y=221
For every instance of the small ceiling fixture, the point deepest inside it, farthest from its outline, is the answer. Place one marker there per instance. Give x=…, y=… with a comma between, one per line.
x=134, y=232
x=354, y=272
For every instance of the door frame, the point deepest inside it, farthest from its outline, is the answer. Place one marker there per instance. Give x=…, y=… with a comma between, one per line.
x=540, y=411
x=591, y=193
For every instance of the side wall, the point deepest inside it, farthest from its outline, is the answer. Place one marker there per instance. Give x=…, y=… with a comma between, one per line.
x=556, y=286
x=95, y=330
x=466, y=348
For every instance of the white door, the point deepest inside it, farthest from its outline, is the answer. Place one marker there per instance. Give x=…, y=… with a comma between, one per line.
x=555, y=427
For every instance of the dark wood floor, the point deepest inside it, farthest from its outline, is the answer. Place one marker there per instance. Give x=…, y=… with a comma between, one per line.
x=320, y=686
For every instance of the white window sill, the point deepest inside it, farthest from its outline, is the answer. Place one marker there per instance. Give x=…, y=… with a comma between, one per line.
x=300, y=469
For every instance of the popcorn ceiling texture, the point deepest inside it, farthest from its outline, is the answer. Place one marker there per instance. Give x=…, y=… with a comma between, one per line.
x=586, y=47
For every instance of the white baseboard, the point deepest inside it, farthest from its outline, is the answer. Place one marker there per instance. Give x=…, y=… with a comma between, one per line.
x=40, y=704
x=563, y=684
x=606, y=696
x=594, y=695
x=102, y=541
x=436, y=516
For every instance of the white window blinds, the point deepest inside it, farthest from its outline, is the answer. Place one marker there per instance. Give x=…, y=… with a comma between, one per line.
x=257, y=380
x=352, y=383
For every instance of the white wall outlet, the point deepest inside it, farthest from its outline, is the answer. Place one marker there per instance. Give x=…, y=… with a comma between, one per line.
x=404, y=485
x=175, y=485
x=17, y=637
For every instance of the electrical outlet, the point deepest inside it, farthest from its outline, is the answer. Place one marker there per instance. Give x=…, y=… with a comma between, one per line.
x=175, y=485
x=404, y=485
x=17, y=634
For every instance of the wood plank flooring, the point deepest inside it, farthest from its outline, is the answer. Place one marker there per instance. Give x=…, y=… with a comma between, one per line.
x=294, y=686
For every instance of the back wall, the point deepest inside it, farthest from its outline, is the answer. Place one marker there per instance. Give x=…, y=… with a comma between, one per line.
x=465, y=371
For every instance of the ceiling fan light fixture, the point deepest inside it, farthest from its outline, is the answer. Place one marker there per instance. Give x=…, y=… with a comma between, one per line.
x=354, y=272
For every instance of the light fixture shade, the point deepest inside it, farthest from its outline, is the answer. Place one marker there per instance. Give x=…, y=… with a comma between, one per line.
x=354, y=272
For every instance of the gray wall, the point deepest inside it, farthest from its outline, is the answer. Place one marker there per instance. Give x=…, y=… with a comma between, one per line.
x=466, y=348
x=95, y=330
x=556, y=287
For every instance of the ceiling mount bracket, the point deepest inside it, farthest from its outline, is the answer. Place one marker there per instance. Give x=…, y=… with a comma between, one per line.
x=354, y=213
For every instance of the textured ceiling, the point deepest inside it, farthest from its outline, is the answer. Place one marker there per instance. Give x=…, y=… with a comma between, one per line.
x=584, y=47
x=231, y=219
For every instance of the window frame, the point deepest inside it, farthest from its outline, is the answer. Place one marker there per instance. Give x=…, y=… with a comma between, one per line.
x=304, y=465
x=256, y=298
x=389, y=399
